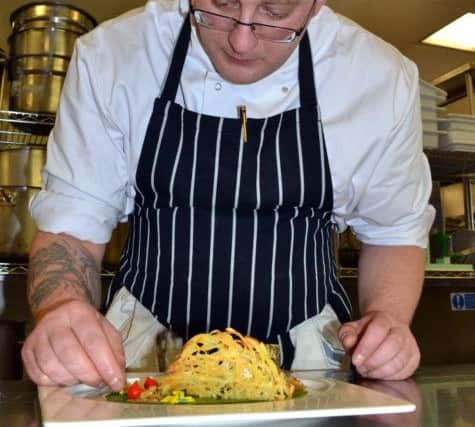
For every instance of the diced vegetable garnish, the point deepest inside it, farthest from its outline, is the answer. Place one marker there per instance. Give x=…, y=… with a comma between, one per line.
x=177, y=397
x=118, y=396
x=150, y=382
x=134, y=391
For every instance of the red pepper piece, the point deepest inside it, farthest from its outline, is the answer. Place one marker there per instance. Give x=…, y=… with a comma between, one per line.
x=134, y=391
x=150, y=382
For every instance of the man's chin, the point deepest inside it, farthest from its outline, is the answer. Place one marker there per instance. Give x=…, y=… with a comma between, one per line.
x=240, y=78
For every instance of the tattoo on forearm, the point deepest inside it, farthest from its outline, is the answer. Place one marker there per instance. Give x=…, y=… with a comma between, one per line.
x=62, y=267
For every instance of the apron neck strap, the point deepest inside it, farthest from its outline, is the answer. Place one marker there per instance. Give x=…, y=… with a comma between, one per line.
x=308, y=97
x=179, y=55
x=308, y=94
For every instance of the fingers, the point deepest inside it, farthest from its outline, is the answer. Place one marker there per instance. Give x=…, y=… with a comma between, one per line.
x=42, y=364
x=31, y=367
x=115, y=341
x=50, y=365
x=393, y=362
x=97, y=347
x=71, y=356
x=376, y=331
x=74, y=344
x=53, y=356
x=401, y=367
x=381, y=347
x=349, y=332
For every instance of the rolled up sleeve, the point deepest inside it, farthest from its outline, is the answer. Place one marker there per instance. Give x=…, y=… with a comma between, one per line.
x=394, y=206
x=85, y=178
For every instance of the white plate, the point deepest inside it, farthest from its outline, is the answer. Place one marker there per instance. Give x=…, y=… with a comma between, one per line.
x=80, y=406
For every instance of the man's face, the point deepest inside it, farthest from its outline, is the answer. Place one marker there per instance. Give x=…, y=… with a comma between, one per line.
x=238, y=56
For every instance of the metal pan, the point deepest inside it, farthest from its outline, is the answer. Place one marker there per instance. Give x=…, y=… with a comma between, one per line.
x=52, y=11
x=21, y=167
x=36, y=83
x=42, y=39
x=17, y=228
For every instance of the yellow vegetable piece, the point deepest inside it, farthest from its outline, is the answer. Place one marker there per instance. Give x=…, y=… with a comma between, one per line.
x=177, y=397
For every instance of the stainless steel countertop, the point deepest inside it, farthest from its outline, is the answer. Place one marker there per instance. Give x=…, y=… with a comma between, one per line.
x=444, y=396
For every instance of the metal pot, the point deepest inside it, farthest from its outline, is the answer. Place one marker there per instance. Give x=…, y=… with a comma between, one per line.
x=52, y=11
x=3, y=60
x=18, y=228
x=20, y=180
x=115, y=245
x=21, y=167
x=42, y=38
x=41, y=45
x=36, y=83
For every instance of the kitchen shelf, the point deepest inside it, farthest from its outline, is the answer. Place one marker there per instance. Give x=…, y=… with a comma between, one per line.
x=18, y=129
x=451, y=166
x=459, y=83
x=352, y=273
x=21, y=269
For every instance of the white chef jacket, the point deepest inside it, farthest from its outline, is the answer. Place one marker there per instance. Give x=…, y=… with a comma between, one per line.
x=368, y=94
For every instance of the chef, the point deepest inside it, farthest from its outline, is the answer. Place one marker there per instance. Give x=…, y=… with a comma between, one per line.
x=234, y=136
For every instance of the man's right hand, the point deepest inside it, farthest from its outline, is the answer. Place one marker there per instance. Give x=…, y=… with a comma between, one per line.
x=73, y=343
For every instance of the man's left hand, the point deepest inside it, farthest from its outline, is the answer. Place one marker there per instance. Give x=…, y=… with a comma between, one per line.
x=381, y=346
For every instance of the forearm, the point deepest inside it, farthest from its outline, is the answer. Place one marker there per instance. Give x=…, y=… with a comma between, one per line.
x=390, y=279
x=63, y=268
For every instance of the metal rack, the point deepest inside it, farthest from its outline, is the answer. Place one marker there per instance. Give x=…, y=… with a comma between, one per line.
x=19, y=129
x=451, y=166
x=352, y=273
x=23, y=129
x=21, y=269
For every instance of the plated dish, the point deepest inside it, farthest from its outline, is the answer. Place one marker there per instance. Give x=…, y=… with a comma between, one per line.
x=83, y=406
x=216, y=367
x=221, y=378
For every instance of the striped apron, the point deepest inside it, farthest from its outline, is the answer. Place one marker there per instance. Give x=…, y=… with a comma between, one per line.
x=227, y=233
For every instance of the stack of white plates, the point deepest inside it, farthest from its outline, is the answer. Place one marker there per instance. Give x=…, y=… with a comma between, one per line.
x=460, y=129
x=432, y=114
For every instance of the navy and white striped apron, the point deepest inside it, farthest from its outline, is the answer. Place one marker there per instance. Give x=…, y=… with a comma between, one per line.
x=227, y=233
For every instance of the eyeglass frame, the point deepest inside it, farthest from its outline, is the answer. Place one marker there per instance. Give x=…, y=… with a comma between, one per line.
x=294, y=33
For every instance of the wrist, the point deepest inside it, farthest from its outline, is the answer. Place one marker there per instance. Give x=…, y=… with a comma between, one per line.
x=393, y=318
x=40, y=312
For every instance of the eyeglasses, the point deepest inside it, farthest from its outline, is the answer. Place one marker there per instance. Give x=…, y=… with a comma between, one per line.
x=214, y=21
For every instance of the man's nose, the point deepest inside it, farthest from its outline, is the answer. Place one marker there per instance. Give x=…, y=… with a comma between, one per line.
x=242, y=39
